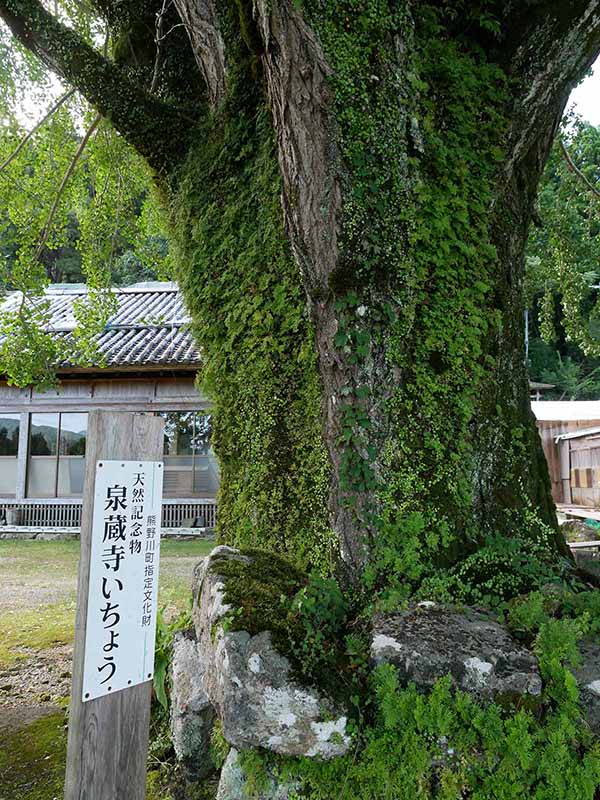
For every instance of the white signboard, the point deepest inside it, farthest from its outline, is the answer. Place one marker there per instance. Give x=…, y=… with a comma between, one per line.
x=123, y=588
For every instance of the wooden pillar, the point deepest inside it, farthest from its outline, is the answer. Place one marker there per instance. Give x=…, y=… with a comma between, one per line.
x=564, y=450
x=21, y=488
x=108, y=737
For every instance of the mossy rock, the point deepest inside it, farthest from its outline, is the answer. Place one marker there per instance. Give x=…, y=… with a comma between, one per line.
x=248, y=632
x=260, y=590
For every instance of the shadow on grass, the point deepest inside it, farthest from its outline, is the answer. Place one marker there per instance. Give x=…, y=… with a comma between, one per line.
x=32, y=760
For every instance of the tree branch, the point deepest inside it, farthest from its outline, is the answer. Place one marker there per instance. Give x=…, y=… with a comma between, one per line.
x=160, y=17
x=575, y=169
x=159, y=131
x=550, y=46
x=63, y=184
x=201, y=22
x=36, y=128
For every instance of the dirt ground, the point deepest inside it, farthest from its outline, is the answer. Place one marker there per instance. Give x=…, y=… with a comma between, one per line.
x=38, y=582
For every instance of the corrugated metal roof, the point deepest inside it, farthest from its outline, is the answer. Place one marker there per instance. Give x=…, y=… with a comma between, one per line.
x=578, y=434
x=150, y=326
x=566, y=410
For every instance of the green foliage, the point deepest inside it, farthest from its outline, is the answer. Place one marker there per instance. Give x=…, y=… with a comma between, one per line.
x=73, y=233
x=562, y=268
x=554, y=621
x=444, y=744
x=526, y=616
x=307, y=616
x=447, y=746
x=502, y=568
x=572, y=379
x=97, y=217
x=219, y=747
x=165, y=633
x=320, y=611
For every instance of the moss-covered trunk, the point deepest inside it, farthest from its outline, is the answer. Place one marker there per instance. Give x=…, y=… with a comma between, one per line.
x=350, y=186
x=351, y=224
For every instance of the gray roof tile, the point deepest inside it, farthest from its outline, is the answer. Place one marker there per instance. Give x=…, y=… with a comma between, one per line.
x=150, y=327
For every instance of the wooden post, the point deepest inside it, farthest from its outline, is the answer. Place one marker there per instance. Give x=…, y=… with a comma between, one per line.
x=564, y=451
x=108, y=737
x=21, y=489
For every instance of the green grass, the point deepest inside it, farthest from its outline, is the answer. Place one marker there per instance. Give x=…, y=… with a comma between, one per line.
x=41, y=578
x=30, y=558
x=32, y=765
x=32, y=760
x=36, y=629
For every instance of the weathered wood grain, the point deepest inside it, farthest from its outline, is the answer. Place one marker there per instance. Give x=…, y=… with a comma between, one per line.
x=108, y=737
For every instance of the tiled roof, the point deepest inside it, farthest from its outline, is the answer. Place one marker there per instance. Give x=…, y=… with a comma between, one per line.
x=150, y=327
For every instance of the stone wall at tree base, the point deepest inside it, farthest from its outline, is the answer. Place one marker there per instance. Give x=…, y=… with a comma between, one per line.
x=235, y=684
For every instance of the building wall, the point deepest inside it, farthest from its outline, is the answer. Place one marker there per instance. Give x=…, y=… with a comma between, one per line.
x=549, y=430
x=121, y=392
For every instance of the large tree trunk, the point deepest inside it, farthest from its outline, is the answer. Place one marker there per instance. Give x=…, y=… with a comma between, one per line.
x=351, y=213
x=407, y=209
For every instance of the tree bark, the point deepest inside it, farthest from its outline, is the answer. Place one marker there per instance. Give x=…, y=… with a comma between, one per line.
x=363, y=336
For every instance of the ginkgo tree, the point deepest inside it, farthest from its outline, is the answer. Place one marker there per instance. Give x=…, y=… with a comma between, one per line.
x=70, y=180
x=563, y=252
x=348, y=187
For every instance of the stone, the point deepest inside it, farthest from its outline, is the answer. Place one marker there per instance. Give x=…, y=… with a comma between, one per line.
x=192, y=716
x=588, y=681
x=429, y=641
x=250, y=684
x=576, y=530
x=232, y=785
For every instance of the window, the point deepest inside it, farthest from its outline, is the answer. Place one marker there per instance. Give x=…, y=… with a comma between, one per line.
x=56, y=455
x=191, y=468
x=9, y=450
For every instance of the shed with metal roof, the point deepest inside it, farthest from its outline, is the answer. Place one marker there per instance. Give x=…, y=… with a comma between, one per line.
x=570, y=433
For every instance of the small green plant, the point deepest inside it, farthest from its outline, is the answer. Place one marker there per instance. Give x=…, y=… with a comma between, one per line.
x=219, y=747
x=444, y=745
x=320, y=611
x=165, y=633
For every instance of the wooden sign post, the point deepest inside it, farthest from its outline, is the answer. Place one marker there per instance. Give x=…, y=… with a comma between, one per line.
x=111, y=686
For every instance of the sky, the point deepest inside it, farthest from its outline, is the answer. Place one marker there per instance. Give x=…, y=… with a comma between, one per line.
x=585, y=98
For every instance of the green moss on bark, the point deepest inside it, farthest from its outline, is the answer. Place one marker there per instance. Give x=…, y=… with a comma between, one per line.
x=250, y=320
x=424, y=321
x=421, y=116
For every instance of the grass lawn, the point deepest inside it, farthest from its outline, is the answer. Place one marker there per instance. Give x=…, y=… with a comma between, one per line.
x=39, y=580
x=37, y=614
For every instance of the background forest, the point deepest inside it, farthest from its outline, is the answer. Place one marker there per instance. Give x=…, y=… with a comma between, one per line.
x=74, y=198
x=564, y=251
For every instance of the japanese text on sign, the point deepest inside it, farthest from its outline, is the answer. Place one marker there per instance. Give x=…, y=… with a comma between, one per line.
x=123, y=585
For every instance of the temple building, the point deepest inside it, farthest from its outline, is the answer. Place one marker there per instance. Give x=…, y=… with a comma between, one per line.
x=149, y=364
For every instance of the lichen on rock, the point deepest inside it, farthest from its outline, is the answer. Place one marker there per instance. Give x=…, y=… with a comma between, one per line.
x=250, y=684
x=234, y=783
x=426, y=642
x=192, y=715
